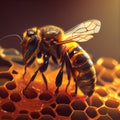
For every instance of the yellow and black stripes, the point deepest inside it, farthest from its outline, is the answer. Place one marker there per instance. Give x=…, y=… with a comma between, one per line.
x=83, y=68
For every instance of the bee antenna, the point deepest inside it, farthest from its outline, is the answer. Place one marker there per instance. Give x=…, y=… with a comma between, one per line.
x=12, y=35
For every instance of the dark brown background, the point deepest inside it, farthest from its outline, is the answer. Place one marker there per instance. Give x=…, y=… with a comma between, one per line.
x=16, y=16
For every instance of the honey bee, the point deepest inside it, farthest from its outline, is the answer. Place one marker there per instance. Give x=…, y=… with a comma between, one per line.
x=51, y=41
x=64, y=49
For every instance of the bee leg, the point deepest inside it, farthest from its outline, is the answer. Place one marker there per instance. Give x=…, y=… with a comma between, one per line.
x=76, y=88
x=27, y=65
x=69, y=72
x=45, y=81
x=25, y=68
x=43, y=68
x=33, y=77
x=54, y=60
x=68, y=69
x=59, y=79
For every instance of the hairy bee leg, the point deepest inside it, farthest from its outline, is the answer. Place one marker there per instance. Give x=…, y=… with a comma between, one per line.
x=45, y=81
x=54, y=60
x=69, y=72
x=43, y=68
x=76, y=89
x=25, y=69
x=27, y=65
x=68, y=69
x=59, y=78
x=32, y=79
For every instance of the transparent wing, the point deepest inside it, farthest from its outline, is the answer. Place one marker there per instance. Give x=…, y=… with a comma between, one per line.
x=83, y=31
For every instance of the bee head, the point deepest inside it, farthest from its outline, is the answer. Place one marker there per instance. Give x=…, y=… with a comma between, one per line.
x=30, y=43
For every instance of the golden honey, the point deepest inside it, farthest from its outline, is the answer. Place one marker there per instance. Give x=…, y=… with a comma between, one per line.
x=38, y=104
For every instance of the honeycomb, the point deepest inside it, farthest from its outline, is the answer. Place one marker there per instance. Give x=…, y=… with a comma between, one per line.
x=37, y=103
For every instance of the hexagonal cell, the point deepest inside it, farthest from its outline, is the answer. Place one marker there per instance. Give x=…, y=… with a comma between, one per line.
x=3, y=92
x=78, y=115
x=23, y=117
x=95, y=101
x=6, y=117
x=30, y=93
x=103, y=110
x=91, y=112
x=62, y=99
x=46, y=117
x=18, y=60
x=35, y=115
x=64, y=110
x=108, y=63
x=45, y=96
x=4, y=77
x=78, y=105
x=114, y=114
x=8, y=106
x=107, y=77
x=15, y=97
x=101, y=92
x=4, y=65
x=10, y=85
x=48, y=111
x=104, y=118
x=112, y=103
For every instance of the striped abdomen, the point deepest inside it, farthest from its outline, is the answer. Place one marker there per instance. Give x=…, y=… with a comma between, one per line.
x=83, y=70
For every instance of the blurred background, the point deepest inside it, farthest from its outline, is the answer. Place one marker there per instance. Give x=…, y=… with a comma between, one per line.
x=17, y=16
